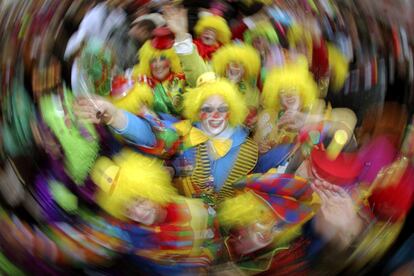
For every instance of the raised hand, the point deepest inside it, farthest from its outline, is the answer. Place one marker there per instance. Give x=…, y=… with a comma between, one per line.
x=98, y=110
x=177, y=21
x=337, y=220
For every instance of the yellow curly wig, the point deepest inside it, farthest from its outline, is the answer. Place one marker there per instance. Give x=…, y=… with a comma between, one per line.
x=147, y=53
x=140, y=94
x=195, y=97
x=239, y=53
x=244, y=209
x=130, y=175
x=217, y=23
x=294, y=75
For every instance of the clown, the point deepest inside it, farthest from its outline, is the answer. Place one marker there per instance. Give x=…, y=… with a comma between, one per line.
x=287, y=92
x=159, y=67
x=267, y=223
x=215, y=148
x=165, y=228
x=160, y=231
x=212, y=33
x=238, y=63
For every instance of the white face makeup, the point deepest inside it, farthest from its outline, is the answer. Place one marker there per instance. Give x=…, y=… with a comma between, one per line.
x=144, y=211
x=234, y=72
x=214, y=115
x=160, y=68
x=290, y=100
x=209, y=37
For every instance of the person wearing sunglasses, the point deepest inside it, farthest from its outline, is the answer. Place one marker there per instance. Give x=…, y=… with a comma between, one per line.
x=211, y=148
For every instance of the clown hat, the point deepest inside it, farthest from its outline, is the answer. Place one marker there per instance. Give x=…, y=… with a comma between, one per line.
x=120, y=86
x=160, y=45
x=163, y=38
x=343, y=170
x=129, y=176
x=287, y=196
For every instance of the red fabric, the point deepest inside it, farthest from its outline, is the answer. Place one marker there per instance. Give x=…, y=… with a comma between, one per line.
x=238, y=31
x=163, y=38
x=342, y=171
x=206, y=51
x=320, y=59
x=393, y=201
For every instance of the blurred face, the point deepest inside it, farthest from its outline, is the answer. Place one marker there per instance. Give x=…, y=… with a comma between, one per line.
x=290, y=100
x=144, y=211
x=160, y=68
x=261, y=44
x=235, y=72
x=214, y=115
x=209, y=37
x=252, y=238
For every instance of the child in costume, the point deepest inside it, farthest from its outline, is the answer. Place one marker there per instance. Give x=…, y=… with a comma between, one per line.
x=159, y=68
x=239, y=63
x=214, y=149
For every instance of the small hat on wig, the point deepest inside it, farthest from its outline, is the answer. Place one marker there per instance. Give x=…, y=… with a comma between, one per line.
x=159, y=46
x=128, y=176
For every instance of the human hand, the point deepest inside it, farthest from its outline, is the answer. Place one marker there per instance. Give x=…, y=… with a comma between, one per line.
x=337, y=220
x=292, y=120
x=98, y=110
x=177, y=22
x=264, y=147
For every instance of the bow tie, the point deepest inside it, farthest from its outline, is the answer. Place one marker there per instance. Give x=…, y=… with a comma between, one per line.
x=196, y=136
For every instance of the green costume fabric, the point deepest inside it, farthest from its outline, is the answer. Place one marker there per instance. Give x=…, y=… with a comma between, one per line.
x=79, y=140
x=18, y=110
x=96, y=63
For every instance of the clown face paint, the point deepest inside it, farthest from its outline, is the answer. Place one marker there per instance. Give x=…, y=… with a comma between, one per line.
x=214, y=115
x=290, y=100
x=160, y=68
x=234, y=72
x=209, y=37
x=145, y=211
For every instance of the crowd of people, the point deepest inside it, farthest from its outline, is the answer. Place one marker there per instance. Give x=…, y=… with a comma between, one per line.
x=205, y=137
